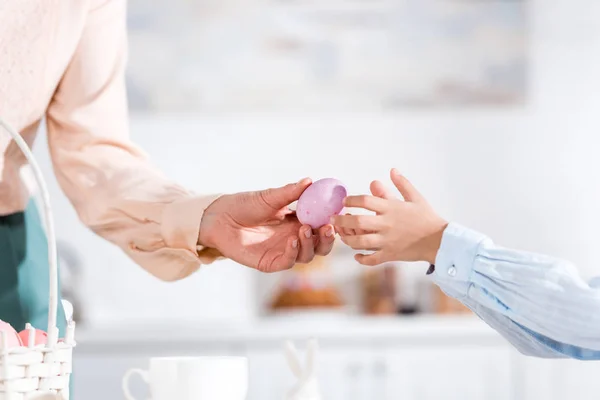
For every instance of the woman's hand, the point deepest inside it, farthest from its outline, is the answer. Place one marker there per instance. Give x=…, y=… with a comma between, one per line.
x=408, y=230
x=257, y=229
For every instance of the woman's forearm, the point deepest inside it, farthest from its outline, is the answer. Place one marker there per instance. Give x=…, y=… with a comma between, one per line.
x=115, y=190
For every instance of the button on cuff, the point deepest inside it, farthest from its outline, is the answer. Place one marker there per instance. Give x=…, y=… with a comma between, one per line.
x=456, y=257
x=452, y=271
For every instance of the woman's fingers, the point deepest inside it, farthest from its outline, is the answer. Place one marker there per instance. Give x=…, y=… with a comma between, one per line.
x=369, y=241
x=286, y=260
x=307, y=244
x=326, y=239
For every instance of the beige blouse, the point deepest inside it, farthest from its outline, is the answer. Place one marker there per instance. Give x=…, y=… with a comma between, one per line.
x=65, y=60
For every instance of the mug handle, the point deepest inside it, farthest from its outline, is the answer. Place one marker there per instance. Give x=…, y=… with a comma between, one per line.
x=125, y=384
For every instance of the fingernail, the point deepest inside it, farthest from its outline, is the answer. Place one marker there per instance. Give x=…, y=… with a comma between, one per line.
x=295, y=243
x=307, y=233
x=329, y=232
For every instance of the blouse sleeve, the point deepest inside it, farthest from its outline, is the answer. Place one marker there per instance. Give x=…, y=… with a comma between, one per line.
x=111, y=184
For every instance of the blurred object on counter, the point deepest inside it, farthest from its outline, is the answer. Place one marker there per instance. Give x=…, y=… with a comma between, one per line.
x=307, y=286
x=447, y=304
x=427, y=296
x=407, y=284
x=408, y=310
x=432, y=300
x=379, y=291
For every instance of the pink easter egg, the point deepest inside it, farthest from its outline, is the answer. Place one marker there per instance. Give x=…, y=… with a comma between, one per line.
x=321, y=201
x=39, y=337
x=12, y=337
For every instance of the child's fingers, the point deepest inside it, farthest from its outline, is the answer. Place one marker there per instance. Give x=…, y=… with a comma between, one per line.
x=371, y=203
x=342, y=230
x=370, y=241
x=349, y=232
x=339, y=231
x=370, y=259
x=357, y=223
x=406, y=189
x=379, y=190
x=353, y=232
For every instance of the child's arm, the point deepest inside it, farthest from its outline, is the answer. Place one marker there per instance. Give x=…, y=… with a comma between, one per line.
x=540, y=304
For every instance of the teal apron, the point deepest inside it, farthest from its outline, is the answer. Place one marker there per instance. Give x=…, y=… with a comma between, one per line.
x=24, y=274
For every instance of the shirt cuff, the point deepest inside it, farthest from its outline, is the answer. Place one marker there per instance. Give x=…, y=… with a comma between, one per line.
x=456, y=258
x=181, y=226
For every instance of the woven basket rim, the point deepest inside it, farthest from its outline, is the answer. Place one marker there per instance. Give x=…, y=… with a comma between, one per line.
x=53, y=358
x=48, y=218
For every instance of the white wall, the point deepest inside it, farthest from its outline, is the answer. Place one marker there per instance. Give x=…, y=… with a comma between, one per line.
x=528, y=178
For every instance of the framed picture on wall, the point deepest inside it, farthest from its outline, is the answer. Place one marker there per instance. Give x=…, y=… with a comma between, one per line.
x=326, y=55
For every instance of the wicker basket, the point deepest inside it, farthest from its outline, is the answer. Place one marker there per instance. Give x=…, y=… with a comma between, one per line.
x=41, y=371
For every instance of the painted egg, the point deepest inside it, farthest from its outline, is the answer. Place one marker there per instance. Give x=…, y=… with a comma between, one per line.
x=321, y=201
x=12, y=337
x=39, y=337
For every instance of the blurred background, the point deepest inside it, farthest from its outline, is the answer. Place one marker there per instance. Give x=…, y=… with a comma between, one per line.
x=488, y=106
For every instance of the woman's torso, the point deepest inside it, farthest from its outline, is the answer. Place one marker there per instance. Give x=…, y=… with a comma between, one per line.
x=37, y=40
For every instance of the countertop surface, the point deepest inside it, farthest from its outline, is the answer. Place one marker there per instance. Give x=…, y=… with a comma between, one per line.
x=291, y=326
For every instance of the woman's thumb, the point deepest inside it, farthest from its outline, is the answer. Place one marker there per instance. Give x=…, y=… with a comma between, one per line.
x=277, y=198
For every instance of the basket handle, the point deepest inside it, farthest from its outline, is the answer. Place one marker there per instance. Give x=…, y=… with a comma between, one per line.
x=50, y=234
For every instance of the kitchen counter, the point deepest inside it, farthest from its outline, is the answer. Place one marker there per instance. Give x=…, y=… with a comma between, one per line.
x=373, y=357
x=323, y=326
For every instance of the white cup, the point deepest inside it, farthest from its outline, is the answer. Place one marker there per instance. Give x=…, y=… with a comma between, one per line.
x=197, y=378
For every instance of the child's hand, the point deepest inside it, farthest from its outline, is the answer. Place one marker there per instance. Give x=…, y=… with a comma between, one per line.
x=408, y=230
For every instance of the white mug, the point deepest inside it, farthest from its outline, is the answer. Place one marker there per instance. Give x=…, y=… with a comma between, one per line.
x=197, y=378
